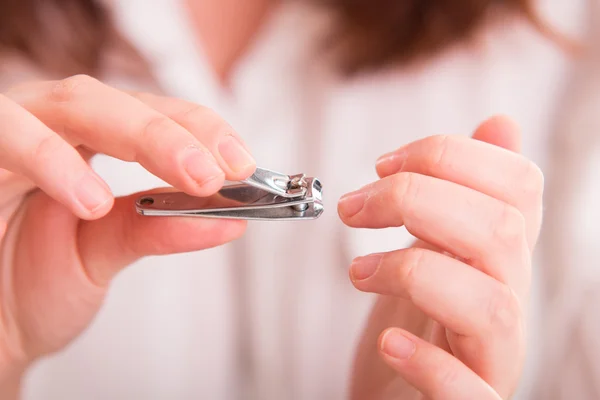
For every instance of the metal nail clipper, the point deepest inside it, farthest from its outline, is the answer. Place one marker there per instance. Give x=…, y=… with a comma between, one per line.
x=266, y=195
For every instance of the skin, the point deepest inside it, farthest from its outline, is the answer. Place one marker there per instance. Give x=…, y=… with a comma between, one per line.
x=225, y=29
x=449, y=322
x=65, y=233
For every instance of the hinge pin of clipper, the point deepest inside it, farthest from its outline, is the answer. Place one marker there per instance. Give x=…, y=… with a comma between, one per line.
x=298, y=184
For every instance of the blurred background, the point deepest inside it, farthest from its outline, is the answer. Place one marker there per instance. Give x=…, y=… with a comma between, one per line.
x=323, y=87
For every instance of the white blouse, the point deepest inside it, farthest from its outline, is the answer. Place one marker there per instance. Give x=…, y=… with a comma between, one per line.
x=274, y=315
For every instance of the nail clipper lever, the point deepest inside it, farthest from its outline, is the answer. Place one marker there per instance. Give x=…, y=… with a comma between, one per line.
x=266, y=195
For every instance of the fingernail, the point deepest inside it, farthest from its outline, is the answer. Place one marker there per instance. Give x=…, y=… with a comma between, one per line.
x=235, y=155
x=364, y=267
x=396, y=345
x=352, y=203
x=392, y=161
x=92, y=193
x=201, y=167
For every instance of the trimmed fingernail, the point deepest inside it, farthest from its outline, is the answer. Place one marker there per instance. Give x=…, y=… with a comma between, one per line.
x=201, y=167
x=391, y=161
x=364, y=267
x=396, y=345
x=92, y=193
x=235, y=154
x=352, y=203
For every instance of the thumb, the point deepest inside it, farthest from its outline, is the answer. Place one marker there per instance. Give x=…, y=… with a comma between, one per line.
x=500, y=131
x=109, y=244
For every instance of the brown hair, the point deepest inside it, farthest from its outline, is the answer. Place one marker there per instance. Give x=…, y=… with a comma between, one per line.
x=370, y=33
x=64, y=37
x=375, y=33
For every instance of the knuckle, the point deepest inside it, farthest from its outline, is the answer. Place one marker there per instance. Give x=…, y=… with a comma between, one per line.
x=143, y=96
x=156, y=126
x=64, y=90
x=196, y=112
x=438, y=156
x=405, y=191
x=413, y=259
x=147, y=134
x=509, y=229
x=504, y=310
x=46, y=150
x=447, y=378
x=200, y=116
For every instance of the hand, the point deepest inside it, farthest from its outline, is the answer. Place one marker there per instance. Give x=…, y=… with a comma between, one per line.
x=65, y=235
x=463, y=289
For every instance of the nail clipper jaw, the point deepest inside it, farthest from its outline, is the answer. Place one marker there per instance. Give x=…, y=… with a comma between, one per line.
x=272, y=182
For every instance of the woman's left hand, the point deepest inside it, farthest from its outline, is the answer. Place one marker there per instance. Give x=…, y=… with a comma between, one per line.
x=463, y=289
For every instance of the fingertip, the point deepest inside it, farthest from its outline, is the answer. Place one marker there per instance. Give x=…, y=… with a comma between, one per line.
x=238, y=161
x=503, y=123
x=502, y=120
x=396, y=344
x=98, y=212
x=208, y=187
x=92, y=196
x=390, y=163
x=243, y=173
x=382, y=169
x=351, y=204
x=381, y=339
x=234, y=229
x=362, y=268
x=500, y=130
x=206, y=175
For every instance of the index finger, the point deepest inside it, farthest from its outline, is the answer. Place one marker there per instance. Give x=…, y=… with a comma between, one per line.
x=31, y=150
x=227, y=147
x=94, y=115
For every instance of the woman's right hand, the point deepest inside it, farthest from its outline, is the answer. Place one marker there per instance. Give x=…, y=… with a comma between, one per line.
x=63, y=235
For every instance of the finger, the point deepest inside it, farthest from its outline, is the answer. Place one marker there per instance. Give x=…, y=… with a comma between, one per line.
x=436, y=284
x=473, y=305
x=432, y=371
x=488, y=169
x=485, y=232
x=224, y=143
x=29, y=148
x=500, y=131
x=123, y=236
x=89, y=113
